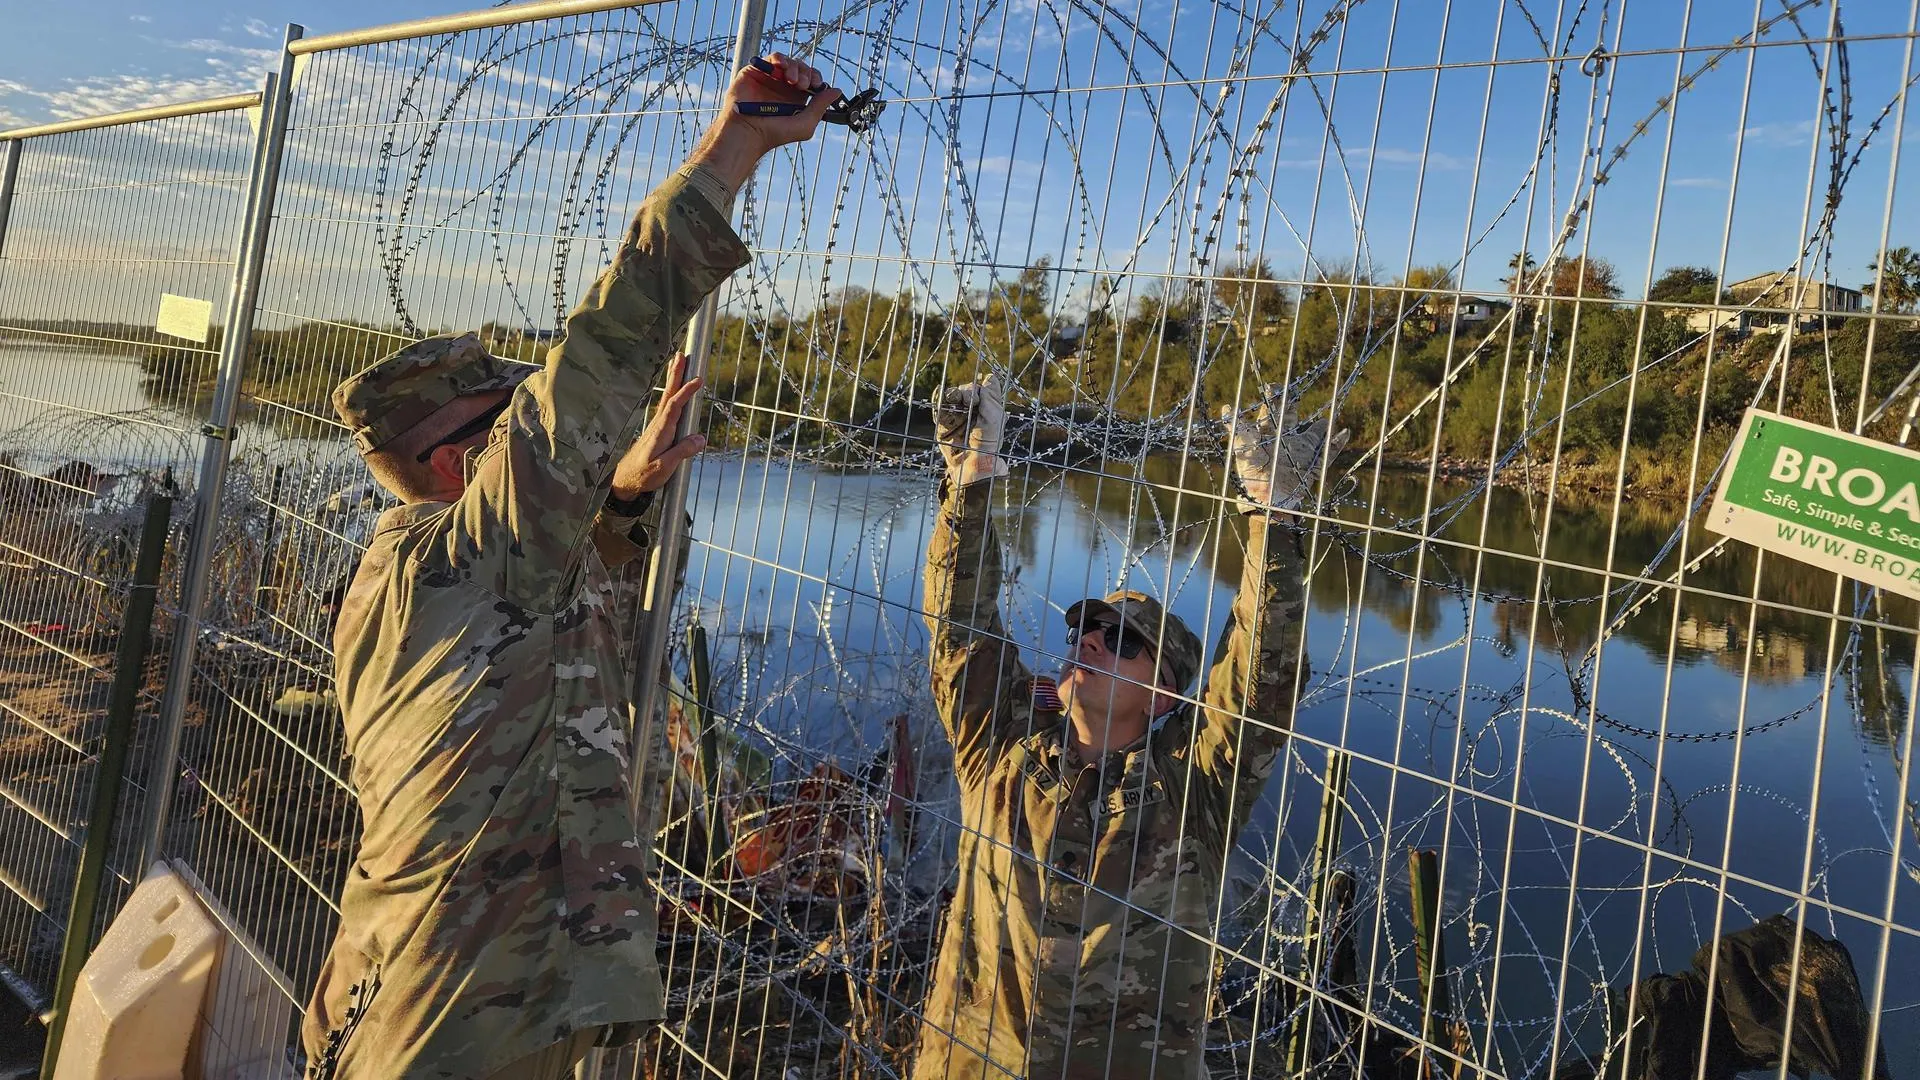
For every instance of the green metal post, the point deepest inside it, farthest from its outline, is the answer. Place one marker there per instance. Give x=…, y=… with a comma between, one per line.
x=129, y=674
x=1429, y=953
x=700, y=675
x=260, y=586
x=1333, y=803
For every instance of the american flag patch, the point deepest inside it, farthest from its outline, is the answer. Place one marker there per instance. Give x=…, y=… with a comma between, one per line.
x=1046, y=695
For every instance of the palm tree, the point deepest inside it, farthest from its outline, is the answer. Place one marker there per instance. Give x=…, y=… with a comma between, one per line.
x=1898, y=271
x=1523, y=265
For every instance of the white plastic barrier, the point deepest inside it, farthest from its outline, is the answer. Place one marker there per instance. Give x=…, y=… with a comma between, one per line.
x=135, y=1007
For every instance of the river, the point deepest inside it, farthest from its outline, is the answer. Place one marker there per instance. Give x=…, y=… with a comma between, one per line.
x=60, y=404
x=1605, y=790
x=1467, y=701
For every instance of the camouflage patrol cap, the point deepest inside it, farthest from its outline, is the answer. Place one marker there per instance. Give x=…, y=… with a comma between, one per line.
x=1178, y=650
x=386, y=399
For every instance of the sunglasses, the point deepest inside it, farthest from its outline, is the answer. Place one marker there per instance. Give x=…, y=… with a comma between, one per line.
x=468, y=430
x=1118, y=639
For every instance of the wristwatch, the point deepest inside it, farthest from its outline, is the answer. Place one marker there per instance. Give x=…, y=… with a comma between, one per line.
x=633, y=507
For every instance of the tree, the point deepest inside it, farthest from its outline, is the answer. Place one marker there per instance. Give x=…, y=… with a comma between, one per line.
x=1101, y=299
x=1432, y=286
x=1685, y=285
x=1422, y=280
x=1521, y=268
x=1251, y=289
x=1029, y=293
x=1339, y=301
x=1590, y=278
x=1898, y=285
x=1161, y=312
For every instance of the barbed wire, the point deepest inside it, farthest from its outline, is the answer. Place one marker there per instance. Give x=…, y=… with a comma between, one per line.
x=797, y=688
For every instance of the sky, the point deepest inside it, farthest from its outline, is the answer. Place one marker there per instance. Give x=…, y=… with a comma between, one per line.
x=1424, y=137
x=79, y=58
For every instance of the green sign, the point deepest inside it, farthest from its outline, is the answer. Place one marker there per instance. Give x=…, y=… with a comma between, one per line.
x=1838, y=501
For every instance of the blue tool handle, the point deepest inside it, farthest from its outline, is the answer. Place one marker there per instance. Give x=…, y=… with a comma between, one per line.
x=760, y=65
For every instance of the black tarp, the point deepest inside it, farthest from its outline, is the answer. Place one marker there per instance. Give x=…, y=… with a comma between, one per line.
x=1751, y=988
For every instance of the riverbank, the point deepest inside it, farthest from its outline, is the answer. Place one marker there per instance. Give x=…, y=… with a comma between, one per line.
x=1648, y=478
x=1058, y=439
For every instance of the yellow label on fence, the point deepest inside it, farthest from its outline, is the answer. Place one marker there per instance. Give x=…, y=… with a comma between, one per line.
x=184, y=317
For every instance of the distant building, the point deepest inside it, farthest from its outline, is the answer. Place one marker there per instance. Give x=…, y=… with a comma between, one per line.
x=1478, y=309
x=1779, y=296
x=1234, y=317
x=1730, y=321
x=1440, y=309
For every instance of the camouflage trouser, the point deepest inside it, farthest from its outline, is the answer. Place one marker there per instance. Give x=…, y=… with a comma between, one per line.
x=556, y=1062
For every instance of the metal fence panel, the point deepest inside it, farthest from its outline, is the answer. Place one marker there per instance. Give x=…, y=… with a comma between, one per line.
x=1619, y=735
x=466, y=181
x=1557, y=734
x=98, y=409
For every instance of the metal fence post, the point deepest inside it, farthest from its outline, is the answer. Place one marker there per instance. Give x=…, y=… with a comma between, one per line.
x=129, y=673
x=272, y=533
x=1429, y=947
x=9, y=172
x=656, y=624
x=656, y=621
x=248, y=261
x=1326, y=848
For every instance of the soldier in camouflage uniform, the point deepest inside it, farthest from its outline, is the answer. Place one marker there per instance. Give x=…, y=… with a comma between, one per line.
x=496, y=921
x=1093, y=851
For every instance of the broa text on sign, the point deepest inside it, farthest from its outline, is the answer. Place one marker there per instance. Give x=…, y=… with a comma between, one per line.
x=1819, y=496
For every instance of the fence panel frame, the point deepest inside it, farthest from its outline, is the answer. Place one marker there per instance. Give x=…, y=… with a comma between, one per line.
x=656, y=617
x=249, y=257
x=123, y=857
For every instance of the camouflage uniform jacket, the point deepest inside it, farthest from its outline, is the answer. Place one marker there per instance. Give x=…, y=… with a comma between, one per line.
x=498, y=902
x=1076, y=944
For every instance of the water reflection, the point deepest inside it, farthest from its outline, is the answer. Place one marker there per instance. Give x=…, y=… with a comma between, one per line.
x=1492, y=702
x=1716, y=620
x=1466, y=674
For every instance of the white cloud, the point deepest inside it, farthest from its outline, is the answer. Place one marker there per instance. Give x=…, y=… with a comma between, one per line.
x=1713, y=182
x=226, y=68
x=1001, y=164
x=117, y=93
x=1434, y=158
x=140, y=18
x=226, y=50
x=1781, y=133
x=261, y=29
x=1386, y=155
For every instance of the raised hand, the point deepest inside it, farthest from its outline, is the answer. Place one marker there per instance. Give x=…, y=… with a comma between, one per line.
x=649, y=463
x=1276, y=461
x=970, y=421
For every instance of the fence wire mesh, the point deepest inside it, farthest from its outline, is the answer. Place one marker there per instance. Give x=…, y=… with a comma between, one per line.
x=98, y=412
x=427, y=186
x=1538, y=258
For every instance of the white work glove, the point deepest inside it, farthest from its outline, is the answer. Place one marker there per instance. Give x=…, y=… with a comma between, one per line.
x=1277, y=464
x=970, y=420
